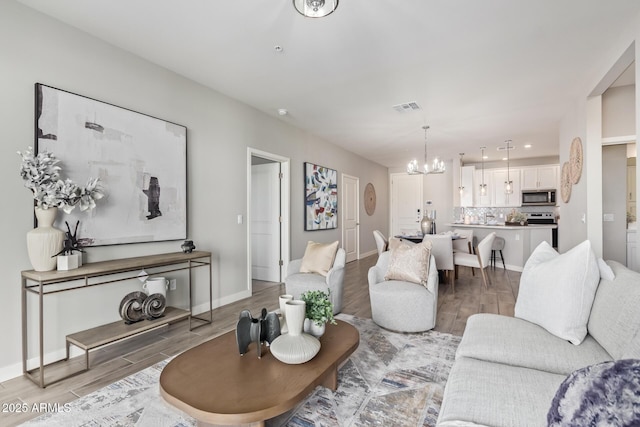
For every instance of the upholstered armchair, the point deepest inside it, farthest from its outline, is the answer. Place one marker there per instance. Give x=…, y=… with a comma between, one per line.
x=296, y=283
x=403, y=306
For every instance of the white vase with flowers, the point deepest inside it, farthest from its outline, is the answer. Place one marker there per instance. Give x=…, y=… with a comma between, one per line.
x=41, y=174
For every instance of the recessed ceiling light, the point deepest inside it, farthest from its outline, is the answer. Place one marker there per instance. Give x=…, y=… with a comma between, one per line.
x=504, y=159
x=278, y=48
x=485, y=157
x=527, y=145
x=282, y=111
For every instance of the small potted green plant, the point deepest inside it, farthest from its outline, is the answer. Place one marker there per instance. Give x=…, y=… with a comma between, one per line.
x=318, y=312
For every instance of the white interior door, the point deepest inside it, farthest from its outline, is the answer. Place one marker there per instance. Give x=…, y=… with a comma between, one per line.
x=350, y=217
x=265, y=222
x=406, y=203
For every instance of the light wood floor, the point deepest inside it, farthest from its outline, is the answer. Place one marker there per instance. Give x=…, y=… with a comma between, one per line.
x=122, y=359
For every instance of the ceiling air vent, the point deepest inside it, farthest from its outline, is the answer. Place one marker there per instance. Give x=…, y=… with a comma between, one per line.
x=407, y=107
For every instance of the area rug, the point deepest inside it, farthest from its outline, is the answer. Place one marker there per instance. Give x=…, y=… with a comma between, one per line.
x=391, y=379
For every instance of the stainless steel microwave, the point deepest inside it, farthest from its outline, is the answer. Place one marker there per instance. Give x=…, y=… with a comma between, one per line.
x=539, y=198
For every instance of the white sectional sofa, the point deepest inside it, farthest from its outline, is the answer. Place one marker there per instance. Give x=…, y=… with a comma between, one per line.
x=507, y=370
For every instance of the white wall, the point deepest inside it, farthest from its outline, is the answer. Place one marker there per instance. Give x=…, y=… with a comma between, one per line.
x=584, y=119
x=619, y=112
x=35, y=48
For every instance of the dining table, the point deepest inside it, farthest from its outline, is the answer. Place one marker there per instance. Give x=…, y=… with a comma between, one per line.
x=417, y=238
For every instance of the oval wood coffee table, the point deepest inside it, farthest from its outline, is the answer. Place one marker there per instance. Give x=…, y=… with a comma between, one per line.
x=215, y=385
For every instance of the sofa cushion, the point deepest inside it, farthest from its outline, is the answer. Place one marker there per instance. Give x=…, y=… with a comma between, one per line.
x=615, y=317
x=602, y=394
x=557, y=291
x=319, y=257
x=410, y=263
x=517, y=342
x=493, y=394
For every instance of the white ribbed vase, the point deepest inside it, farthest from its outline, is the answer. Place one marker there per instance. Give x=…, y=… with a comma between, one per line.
x=295, y=347
x=44, y=241
x=282, y=300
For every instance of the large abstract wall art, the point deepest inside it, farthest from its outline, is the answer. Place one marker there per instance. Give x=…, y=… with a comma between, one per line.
x=321, y=197
x=140, y=160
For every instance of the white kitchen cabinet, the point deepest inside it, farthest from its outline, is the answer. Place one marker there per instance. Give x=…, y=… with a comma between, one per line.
x=539, y=177
x=467, y=191
x=483, y=200
x=498, y=179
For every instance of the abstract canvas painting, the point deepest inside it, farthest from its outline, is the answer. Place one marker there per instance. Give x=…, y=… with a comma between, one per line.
x=321, y=197
x=141, y=162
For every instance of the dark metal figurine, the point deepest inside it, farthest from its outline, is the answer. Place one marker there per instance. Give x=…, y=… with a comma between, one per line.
x=266, y=328
x=70, y=242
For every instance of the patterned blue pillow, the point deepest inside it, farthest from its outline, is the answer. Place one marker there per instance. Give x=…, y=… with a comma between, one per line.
x=606, y=394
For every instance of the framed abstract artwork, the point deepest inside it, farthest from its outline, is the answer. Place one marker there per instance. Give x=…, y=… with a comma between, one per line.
x=321, y=197
x=141, y=162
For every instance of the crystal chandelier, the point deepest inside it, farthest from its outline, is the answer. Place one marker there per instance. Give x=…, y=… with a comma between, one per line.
x=508, y=184
x=483, y=186
x=437, y=166
x=315, y=8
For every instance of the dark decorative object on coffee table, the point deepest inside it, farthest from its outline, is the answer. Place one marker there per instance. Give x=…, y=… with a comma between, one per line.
x=257, y=330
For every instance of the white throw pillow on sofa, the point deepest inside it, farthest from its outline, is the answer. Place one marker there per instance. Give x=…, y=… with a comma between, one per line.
x=557, y=290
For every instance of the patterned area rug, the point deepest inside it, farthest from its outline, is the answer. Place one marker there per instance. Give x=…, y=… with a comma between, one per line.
x=391, y=379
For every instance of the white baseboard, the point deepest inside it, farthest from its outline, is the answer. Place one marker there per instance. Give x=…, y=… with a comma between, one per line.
x=366, y=254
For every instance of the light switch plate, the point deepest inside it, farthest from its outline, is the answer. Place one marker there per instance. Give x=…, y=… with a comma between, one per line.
x=608, y=217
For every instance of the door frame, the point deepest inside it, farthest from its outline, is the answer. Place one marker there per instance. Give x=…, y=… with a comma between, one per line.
x=342, y=221
x=285, y=168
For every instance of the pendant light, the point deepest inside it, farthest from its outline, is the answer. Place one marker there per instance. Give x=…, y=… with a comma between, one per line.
x=436, y=167
x=483, y=186
x=460, y=186
x=508, y=184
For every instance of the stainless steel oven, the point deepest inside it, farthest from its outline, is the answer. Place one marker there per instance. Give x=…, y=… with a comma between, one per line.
x=538, y=197
x=545, y=218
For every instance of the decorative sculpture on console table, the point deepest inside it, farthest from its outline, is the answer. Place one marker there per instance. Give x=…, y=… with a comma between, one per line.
x=258, y=330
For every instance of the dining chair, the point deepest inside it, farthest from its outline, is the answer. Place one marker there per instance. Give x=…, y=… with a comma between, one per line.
x=442, y=251
x=381, y=241
x=464, y=245
x=481, y=259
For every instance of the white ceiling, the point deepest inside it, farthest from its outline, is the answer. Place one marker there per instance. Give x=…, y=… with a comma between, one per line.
x=483, y=71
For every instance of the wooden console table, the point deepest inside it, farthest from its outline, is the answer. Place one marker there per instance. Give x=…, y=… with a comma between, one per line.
x=102, y=273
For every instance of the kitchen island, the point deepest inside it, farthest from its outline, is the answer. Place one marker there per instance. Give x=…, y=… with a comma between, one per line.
x=519, y=240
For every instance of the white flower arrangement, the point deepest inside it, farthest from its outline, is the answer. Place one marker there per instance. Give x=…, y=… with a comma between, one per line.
x=41, y=174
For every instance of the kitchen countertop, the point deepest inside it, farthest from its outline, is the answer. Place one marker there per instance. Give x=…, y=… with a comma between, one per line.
x=501, y=226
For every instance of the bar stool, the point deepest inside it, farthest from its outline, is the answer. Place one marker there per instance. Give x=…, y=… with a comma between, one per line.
x=497, y=246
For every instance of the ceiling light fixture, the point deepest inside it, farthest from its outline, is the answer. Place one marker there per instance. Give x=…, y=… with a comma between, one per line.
x=483, y=186
x=437, y=166
x=460, y=186
x=508, y=184
x=315, y=8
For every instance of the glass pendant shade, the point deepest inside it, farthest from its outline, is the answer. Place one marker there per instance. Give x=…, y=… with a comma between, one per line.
x=483, y=186
x=508, y=184
x=315, y=8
